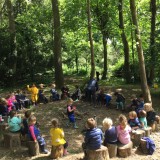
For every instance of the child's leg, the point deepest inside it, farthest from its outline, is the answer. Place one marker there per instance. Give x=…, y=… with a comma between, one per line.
x=117, y=105
x=42, y=144
x=121, y=105
x=65, y=149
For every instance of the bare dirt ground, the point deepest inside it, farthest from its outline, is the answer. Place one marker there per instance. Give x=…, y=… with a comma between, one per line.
x=45, y=113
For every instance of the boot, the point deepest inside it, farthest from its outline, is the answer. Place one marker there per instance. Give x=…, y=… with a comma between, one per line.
x=43, y=150
x=75, y=126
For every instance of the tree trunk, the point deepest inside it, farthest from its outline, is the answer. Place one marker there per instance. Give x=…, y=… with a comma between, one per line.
x=125, y=43
x=104, y=76
x=152, y=39
x=13, y=45
x=59, y=79
x=92, y=74
x=77, y=64
x=144, y=86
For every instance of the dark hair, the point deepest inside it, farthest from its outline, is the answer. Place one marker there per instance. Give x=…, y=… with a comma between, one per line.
x=12, y=113
x=91, y=123
x=55, y=122
x=142, y=113
x=27, y=114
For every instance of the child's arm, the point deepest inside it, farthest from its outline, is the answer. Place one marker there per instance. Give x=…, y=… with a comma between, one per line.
x=31, y=129
x=70, y=110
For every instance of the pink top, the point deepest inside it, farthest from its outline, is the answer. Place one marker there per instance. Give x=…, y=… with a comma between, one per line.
x=9, y=104
x=124, y=134
x=31, y=129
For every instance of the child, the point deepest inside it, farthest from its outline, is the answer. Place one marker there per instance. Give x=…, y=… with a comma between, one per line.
x=55, y=95
x=77, y=94
x=65, y=92
x=93, y=136
x=41, y=97
x=70, y=112
x=14, y=122
x=3, y=107
x=101, y=97
x=123, y=130
x=34, y=93
x=110, y=132
x=142, y=118
x=151, y=115
x=34, y=134
x=120, y=101
x=140, y=104
x=133, y=120
x=57, y=136
x=134, y=103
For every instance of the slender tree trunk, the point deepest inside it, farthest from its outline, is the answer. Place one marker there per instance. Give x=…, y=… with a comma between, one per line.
x=77, y=64
x=144, y=86
x=125, y=43
x=59, y=78
x=153, y=9
x=92, y=74
x=104, y=76
x=13, y=45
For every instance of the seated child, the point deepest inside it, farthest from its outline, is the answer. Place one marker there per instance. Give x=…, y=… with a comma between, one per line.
x=3, y=107
x=77, y=93
x=108, y=98
x=123, y=130
x=34, y=93
x=70, y=112
x=120, y=100
x=57, y=136
x=65, y=92
x=14, y=122
x=93, y=136
x=110, y=135
x=142, y=118
x=22, y=101
x=34, y=134
x=41, y=97
x=134, y=103
x=101, y=97
x=151, y=114
x=140, y=105
x=133, y=120
x=55, y=95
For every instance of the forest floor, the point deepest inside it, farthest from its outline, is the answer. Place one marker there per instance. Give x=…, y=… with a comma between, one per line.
x=45, y=113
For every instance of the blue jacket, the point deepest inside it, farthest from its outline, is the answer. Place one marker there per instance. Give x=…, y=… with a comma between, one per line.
x=93, y=138
x=150, y=145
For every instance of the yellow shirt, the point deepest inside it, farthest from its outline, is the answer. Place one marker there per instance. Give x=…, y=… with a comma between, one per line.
x=57, y=136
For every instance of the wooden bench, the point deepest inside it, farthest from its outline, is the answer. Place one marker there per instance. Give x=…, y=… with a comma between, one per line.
x=3, y=127
x=57, y=152
x=136, y=136
x=99, y=154
x=12, y=140
x=154, y=126
x=148, y=131
x=125, y=150
x=112, y=149
x=33, y=148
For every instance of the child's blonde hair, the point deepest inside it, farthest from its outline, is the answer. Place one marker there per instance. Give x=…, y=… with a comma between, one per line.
x=31, y=119
x=53, y=85
x=123, y=120
x=91, y=123
x=107, y=123
x=70, y=100
x=133, y=114
x=55, y=122
x=3, y=101
x=148, y=107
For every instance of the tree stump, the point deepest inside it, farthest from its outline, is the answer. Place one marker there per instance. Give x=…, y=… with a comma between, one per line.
x=143, y=146
x=5, y=119
x=148, y=131
x=33, y=148
x=136, y=136
x=99, y=154
x=3, y=127
x=112, y=149
x=154, y=126
x=12, y=140
x=125, y=150
x=57, y=151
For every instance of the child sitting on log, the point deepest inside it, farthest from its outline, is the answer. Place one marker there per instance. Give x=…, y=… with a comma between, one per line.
x=14, y=122
x=57, y=137
x=34, y=134
x=151, y=114
x=55, y=95
x=133, y=120
x=77, y=94
x=123, y=130
x=134, y=103
x=3, y=107
x=120, y=100
x=70, y=112
x=93, y=136
x=110, y=136
x=142, y=118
